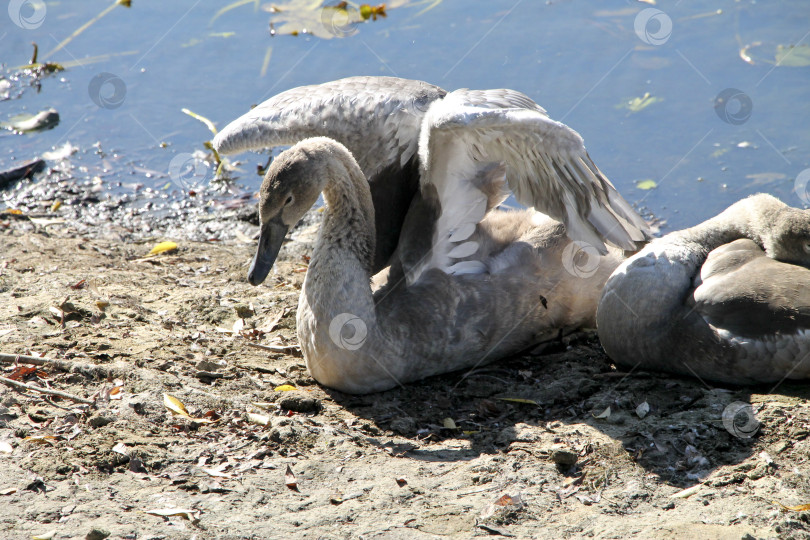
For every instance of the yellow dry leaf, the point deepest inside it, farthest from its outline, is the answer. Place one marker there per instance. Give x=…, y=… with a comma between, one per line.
x=56, y=205
x=47, y=536
x=42, y=439
x=799, y=508
x=163, y=247
x=519, y=400
x=284, y=388
x=686, y=493
x=175, y=405
x=13, y=211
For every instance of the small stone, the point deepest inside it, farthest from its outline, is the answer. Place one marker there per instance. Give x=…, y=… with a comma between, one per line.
x=760, y=471
x=100, y=420
x=243, y=311
x=299, y=402
x=506, y=437
x=404, y=425
x=668, y=505
x=211, y=364
x=282, y=433
x=564, y=457
x=39, y=415
x=97, y=534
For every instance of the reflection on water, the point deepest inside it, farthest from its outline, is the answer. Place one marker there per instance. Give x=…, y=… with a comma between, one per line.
x=684, y=94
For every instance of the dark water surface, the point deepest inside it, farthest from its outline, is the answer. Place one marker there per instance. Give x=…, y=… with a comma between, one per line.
x=130, y=73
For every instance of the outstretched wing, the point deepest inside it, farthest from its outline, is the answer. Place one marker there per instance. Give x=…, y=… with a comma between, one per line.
x=548, y=167
x=377, y=118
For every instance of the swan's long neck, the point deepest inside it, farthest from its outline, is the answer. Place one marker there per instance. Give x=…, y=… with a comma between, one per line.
x=336, y=312
x=748, y=218
x=344, y=249
x=348, y=230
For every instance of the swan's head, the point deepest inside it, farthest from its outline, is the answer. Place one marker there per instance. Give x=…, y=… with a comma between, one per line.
x=291, y=186
x=790, y=238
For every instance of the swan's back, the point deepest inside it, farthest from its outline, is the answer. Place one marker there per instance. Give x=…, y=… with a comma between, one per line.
x=710, y=302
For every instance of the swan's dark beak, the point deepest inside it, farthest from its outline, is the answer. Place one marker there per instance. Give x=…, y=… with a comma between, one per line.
x=270, y=239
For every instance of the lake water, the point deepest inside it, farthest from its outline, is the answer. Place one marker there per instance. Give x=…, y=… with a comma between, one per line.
x=131, y=72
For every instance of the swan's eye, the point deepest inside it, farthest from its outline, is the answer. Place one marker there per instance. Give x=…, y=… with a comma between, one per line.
x=290, y=200
x=807, y=247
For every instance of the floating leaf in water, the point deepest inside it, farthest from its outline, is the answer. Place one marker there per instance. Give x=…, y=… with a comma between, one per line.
x=209, y=124
x=646, y=184
x=25, y=122
x=793, y=56
x=163, y=247
x=449, y=423
x=329, y=19
x=266, y=61
x=372, y=12
x=639, y=103
x=765, y=177
x=88, y=24
x=233, y=5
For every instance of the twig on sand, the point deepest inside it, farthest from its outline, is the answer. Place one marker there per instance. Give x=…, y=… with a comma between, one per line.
x=61, y=365
x=21, y=385
x=274, y=348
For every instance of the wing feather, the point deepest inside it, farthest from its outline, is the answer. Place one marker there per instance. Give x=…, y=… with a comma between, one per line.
x=548, y=166
x=376, y=118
